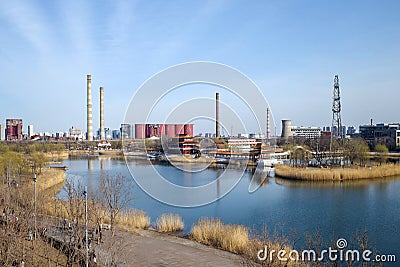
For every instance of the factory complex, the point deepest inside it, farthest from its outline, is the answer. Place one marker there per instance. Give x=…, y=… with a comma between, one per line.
x=387, y=134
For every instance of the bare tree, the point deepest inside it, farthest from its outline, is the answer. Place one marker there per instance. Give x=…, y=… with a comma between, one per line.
x=382, y=153
x=73, y=238
x=116, y=194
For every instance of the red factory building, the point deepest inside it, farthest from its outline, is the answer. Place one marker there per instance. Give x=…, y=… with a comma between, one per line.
x=13, y=129
x=171, y=130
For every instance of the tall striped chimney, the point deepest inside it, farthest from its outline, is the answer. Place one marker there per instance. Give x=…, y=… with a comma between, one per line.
x=217, y=115
x=89, y=136
x=102, y=113
x=268, y=133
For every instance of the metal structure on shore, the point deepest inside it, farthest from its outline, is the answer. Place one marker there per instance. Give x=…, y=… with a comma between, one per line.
x=336, y=117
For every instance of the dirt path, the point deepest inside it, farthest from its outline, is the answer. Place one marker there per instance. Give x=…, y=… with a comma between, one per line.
x=147, y=248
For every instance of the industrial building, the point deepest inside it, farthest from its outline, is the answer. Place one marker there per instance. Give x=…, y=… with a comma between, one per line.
x=75, y=133
x=306, y=132
x=299, y=131
x=126, y=131
x=241, y=144
x=13, y=129
x=387, y=134
x=170, y=130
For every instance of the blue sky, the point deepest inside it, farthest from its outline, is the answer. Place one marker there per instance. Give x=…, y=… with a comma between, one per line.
x=290, y=49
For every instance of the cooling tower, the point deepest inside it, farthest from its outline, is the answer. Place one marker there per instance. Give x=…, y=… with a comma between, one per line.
x=286, y=129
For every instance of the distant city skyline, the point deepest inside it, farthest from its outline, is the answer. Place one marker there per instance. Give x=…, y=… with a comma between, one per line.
x=118, y=132
x=290, y=49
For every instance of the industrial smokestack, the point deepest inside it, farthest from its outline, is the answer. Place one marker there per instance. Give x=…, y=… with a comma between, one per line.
x=217, y=115
x=102, y=113
x=89, y=136
x=268, y=135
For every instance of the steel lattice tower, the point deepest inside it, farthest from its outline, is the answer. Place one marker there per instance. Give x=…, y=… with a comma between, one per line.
x=336, y=108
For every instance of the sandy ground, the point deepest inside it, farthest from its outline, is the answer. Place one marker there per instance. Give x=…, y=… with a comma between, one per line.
x=148, y=248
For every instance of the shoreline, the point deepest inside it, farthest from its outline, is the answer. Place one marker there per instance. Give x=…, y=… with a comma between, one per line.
x=50, y=178
x=207, y=242
x=336, y=174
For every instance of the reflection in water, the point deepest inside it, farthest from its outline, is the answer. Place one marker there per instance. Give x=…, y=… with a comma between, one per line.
x=90, y=164
x=219, y=173
x=91, y=180
x=103, y=163
x=259, y=178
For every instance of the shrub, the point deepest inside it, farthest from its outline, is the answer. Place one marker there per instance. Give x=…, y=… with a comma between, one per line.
x=170, y=223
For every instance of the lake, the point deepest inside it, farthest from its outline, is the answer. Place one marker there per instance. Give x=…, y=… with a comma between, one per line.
x=335, y=210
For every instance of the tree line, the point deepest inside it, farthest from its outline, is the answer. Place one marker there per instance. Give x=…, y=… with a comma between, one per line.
x=319, y=151
x=17, y=211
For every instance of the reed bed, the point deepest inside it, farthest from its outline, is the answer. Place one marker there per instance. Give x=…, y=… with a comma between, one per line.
x=337, y=174
x=49, y=178
x=170, y=223
x=134, y=219
x=213, y=232
x=236, y=239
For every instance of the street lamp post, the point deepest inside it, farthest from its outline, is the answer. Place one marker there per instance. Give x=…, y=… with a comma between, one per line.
x=34, y=203
x=86, y=227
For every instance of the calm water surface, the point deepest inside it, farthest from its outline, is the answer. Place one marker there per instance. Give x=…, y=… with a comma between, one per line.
x=333, y=209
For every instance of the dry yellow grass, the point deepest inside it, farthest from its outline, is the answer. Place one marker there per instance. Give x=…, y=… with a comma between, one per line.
x=134, y=219
x=236, y=239
x=333, y=174
x=255, y=245
x=63, y=154
x=170, y=223
x=52, y=180
x=49, y=178
x=233, y=238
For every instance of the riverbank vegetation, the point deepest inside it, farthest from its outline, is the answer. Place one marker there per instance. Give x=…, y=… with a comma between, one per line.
x=134, y=219
x=338, y=173
x=169, y=223
x=347, y=159
x=30, y=147
x=241, y=240
x=233, y=238
x=17, y=243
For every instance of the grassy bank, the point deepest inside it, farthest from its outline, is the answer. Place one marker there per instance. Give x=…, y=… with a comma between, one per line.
x=237, y=239
x=234, y=238
x=63, y=154
x=170, y=223
x=337, y=174
x=49, y=178
x=134, y=219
